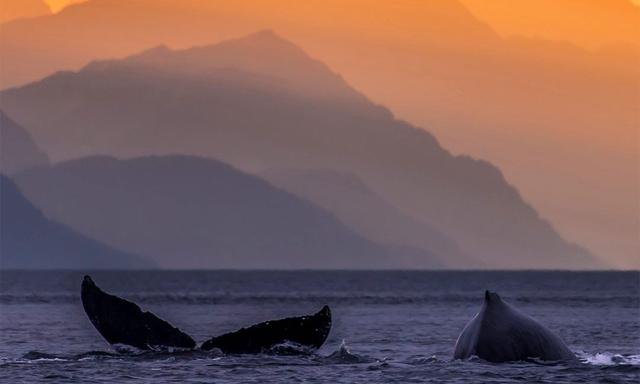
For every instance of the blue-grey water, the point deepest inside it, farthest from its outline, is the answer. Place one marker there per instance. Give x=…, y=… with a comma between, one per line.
x=388, y=326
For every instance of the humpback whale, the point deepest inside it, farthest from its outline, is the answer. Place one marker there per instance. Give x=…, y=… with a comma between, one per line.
x=122, y=322
x=307, y=331
x=501, y=333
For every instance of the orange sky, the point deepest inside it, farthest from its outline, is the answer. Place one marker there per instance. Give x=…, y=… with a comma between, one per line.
x=551, y=115
x=57, y=5
x=588, y=23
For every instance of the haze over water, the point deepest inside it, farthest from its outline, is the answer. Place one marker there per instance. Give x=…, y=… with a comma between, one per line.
x=224, y=163
x=388, y=326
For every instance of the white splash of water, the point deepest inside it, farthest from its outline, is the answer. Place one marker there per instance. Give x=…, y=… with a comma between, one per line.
x=606, y=358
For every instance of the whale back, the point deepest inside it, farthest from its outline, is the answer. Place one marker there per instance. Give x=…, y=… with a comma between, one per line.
x=500, y=333
x=306, y=331
x=122, y=322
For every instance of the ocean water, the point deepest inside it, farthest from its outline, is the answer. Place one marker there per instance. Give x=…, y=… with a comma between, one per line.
x=387, y=326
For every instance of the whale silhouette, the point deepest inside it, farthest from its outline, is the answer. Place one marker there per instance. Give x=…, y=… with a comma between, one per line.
x=501, y=333
x=122, y=322
x=308, y=331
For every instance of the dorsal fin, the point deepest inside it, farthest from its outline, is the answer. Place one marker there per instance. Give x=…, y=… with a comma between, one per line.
x=491, y=297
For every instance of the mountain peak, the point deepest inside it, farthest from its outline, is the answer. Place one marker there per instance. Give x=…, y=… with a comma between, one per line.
x=269, y=37
x=158, y=50
x=265, y=34
x=264, y=56
x=262, y=42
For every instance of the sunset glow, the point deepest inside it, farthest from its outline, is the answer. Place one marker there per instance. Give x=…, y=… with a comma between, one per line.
x=320, y=191
x=536, y=87
x=58, y=5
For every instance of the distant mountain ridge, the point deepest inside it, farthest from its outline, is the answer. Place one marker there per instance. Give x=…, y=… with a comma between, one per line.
x=29, y=240
x=351, y=200
x=195, y=213
x=135, y=107
x=14, y=10
x=546, y=111
x=17, y=148
x=253, y=54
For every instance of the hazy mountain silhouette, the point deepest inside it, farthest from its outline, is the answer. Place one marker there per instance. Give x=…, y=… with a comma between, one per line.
x=17, y=149
x=155, y=103
x=618, y=20
x=188, y=212
x=11, y=9
x=545, y=111
x=443, y=28
x=29, y=240
x=113, y=28
x=234, y=76
x=356, y=205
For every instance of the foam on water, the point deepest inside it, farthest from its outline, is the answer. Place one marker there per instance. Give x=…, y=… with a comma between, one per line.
x=606, y=358
x=291, y=348
x=344, y=356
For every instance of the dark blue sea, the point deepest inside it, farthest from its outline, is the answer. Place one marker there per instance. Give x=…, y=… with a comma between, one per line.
x=388, y=326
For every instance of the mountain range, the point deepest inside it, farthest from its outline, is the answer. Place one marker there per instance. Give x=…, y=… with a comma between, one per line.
x=546, y=111
x=290, y=111
x=195, y=213
x=30, y=240
x=12, y=10
x=355, y=204
x=18, y=151
x=618, y=20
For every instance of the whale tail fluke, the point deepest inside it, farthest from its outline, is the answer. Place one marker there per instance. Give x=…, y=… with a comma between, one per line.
x=122, y=322
x=306, y=331
x=324, y=312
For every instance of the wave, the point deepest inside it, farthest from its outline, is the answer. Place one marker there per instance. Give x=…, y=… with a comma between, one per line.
x=592, y=359
x=282, y=352
x=344, y=356
x=296, y=297
x=290, y=348
x=37, y=356
x=606, y=359
x=341, y=356
x=422, y=360
x=119, y=354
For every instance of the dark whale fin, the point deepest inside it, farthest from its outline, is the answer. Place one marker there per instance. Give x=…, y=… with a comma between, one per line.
x=122, y=322
x=499, y=332
x=491, y=298
x=306, y=331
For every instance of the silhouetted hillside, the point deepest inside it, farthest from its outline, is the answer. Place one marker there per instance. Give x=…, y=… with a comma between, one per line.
x=545, y=111
x=17, y=149
x=29, y=240
x=351, y=200
x=187, y=212
x=157, y=103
